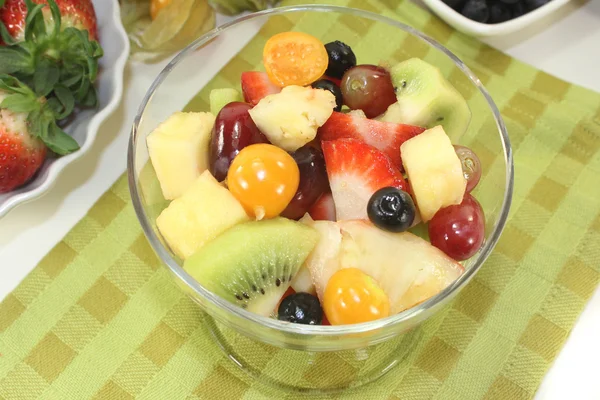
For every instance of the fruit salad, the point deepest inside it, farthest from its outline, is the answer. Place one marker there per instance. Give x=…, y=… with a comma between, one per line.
x=327, y=191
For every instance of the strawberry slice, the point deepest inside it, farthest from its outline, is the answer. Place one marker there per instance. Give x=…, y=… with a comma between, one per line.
x=356, y=171
x=385, y=136
x=323, y=209
x=256, y=85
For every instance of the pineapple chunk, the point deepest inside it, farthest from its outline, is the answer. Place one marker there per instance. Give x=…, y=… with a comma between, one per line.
x=290, y=119
x=178, y=150
x=203, y=212
x=434, y=171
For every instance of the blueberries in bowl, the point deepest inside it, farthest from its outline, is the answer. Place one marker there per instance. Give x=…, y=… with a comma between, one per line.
x=499, y=12
x=477, y=10
x=494, y=11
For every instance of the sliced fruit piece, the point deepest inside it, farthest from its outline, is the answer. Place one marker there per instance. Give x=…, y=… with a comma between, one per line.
x=204, y=211
x=385, y=136
x=357, y=113
x=426, y=98
x=356, y=171
x=290, y=119
x=219, y=98
x=294, y=58
x=323, y=261
x=256, y=85
x=252, y=264
x=409, y=269
x=324, y=208
x=178, y=150
x=302, y=282
x=434, y=171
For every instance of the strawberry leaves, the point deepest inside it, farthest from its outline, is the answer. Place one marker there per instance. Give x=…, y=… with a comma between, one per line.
x=42, y=114
x=50, y=56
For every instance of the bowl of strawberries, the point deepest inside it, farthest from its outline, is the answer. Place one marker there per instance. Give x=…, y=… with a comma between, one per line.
x=61, y=75
x=331, y=196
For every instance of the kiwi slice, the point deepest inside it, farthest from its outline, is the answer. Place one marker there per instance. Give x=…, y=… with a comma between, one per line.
x=219, y=98
x=427, y=99
x=253, y=263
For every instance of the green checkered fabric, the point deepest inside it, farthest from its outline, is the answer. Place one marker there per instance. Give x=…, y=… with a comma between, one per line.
x=99, y=318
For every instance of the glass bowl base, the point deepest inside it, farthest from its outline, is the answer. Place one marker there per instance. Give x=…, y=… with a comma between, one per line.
x=312, y=372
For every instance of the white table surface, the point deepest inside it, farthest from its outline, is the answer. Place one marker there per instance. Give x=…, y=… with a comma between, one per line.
x=567, y=44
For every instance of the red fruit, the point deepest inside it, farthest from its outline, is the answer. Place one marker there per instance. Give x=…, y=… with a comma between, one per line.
x=458, y=230
x=338, y=82
x=79, y=14
x=24, y=137
x=356, y=171
x=323, y=209
x=368, y=88
x=21, y=155
x=385, y=136
x=256, y=85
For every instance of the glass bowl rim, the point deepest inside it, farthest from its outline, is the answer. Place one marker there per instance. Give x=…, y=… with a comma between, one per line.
x=318, y=330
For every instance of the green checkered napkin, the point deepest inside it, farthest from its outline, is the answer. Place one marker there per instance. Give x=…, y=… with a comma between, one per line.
x=100, y=318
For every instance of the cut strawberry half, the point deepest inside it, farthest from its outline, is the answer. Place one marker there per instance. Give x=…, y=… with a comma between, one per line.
x=356, y=170
x=323, y=209
x=385, y=136
x=256, y=85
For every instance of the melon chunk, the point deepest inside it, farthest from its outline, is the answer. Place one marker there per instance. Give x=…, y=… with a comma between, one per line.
x=205, y=210
x=434, y=171
x=178, y=149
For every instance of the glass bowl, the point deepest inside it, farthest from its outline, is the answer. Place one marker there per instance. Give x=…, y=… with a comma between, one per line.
x=176, y=87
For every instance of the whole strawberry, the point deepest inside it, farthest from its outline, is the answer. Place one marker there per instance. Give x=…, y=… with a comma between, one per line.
x=79, y=14
x=27, y=129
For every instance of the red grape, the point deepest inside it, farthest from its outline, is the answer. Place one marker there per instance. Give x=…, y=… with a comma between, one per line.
x=233, y=130
x=368, y=88
x=313, y=181
x=458, y=230
x=471, y=166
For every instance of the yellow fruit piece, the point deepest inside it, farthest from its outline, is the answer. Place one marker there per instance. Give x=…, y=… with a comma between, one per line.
x=353, y=297
x=294, y=58
x=178, y=150
x=434, y=171
x=202, y=213
x=290, y=119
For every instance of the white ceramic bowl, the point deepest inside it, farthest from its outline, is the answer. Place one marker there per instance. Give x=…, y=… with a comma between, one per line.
x=84, y=128
x=472, y=28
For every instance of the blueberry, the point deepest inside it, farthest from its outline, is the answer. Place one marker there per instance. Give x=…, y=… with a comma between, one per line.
x=301, y=308
x=533, y=4
x=391, y=209
x=333, y=88
x=499, y=12
x=341, y=59
x=476, y=10
x=455, y=4
x=518, y=10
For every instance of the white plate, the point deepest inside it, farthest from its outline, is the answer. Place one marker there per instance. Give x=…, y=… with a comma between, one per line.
x=465, y=25
x=84, y=128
